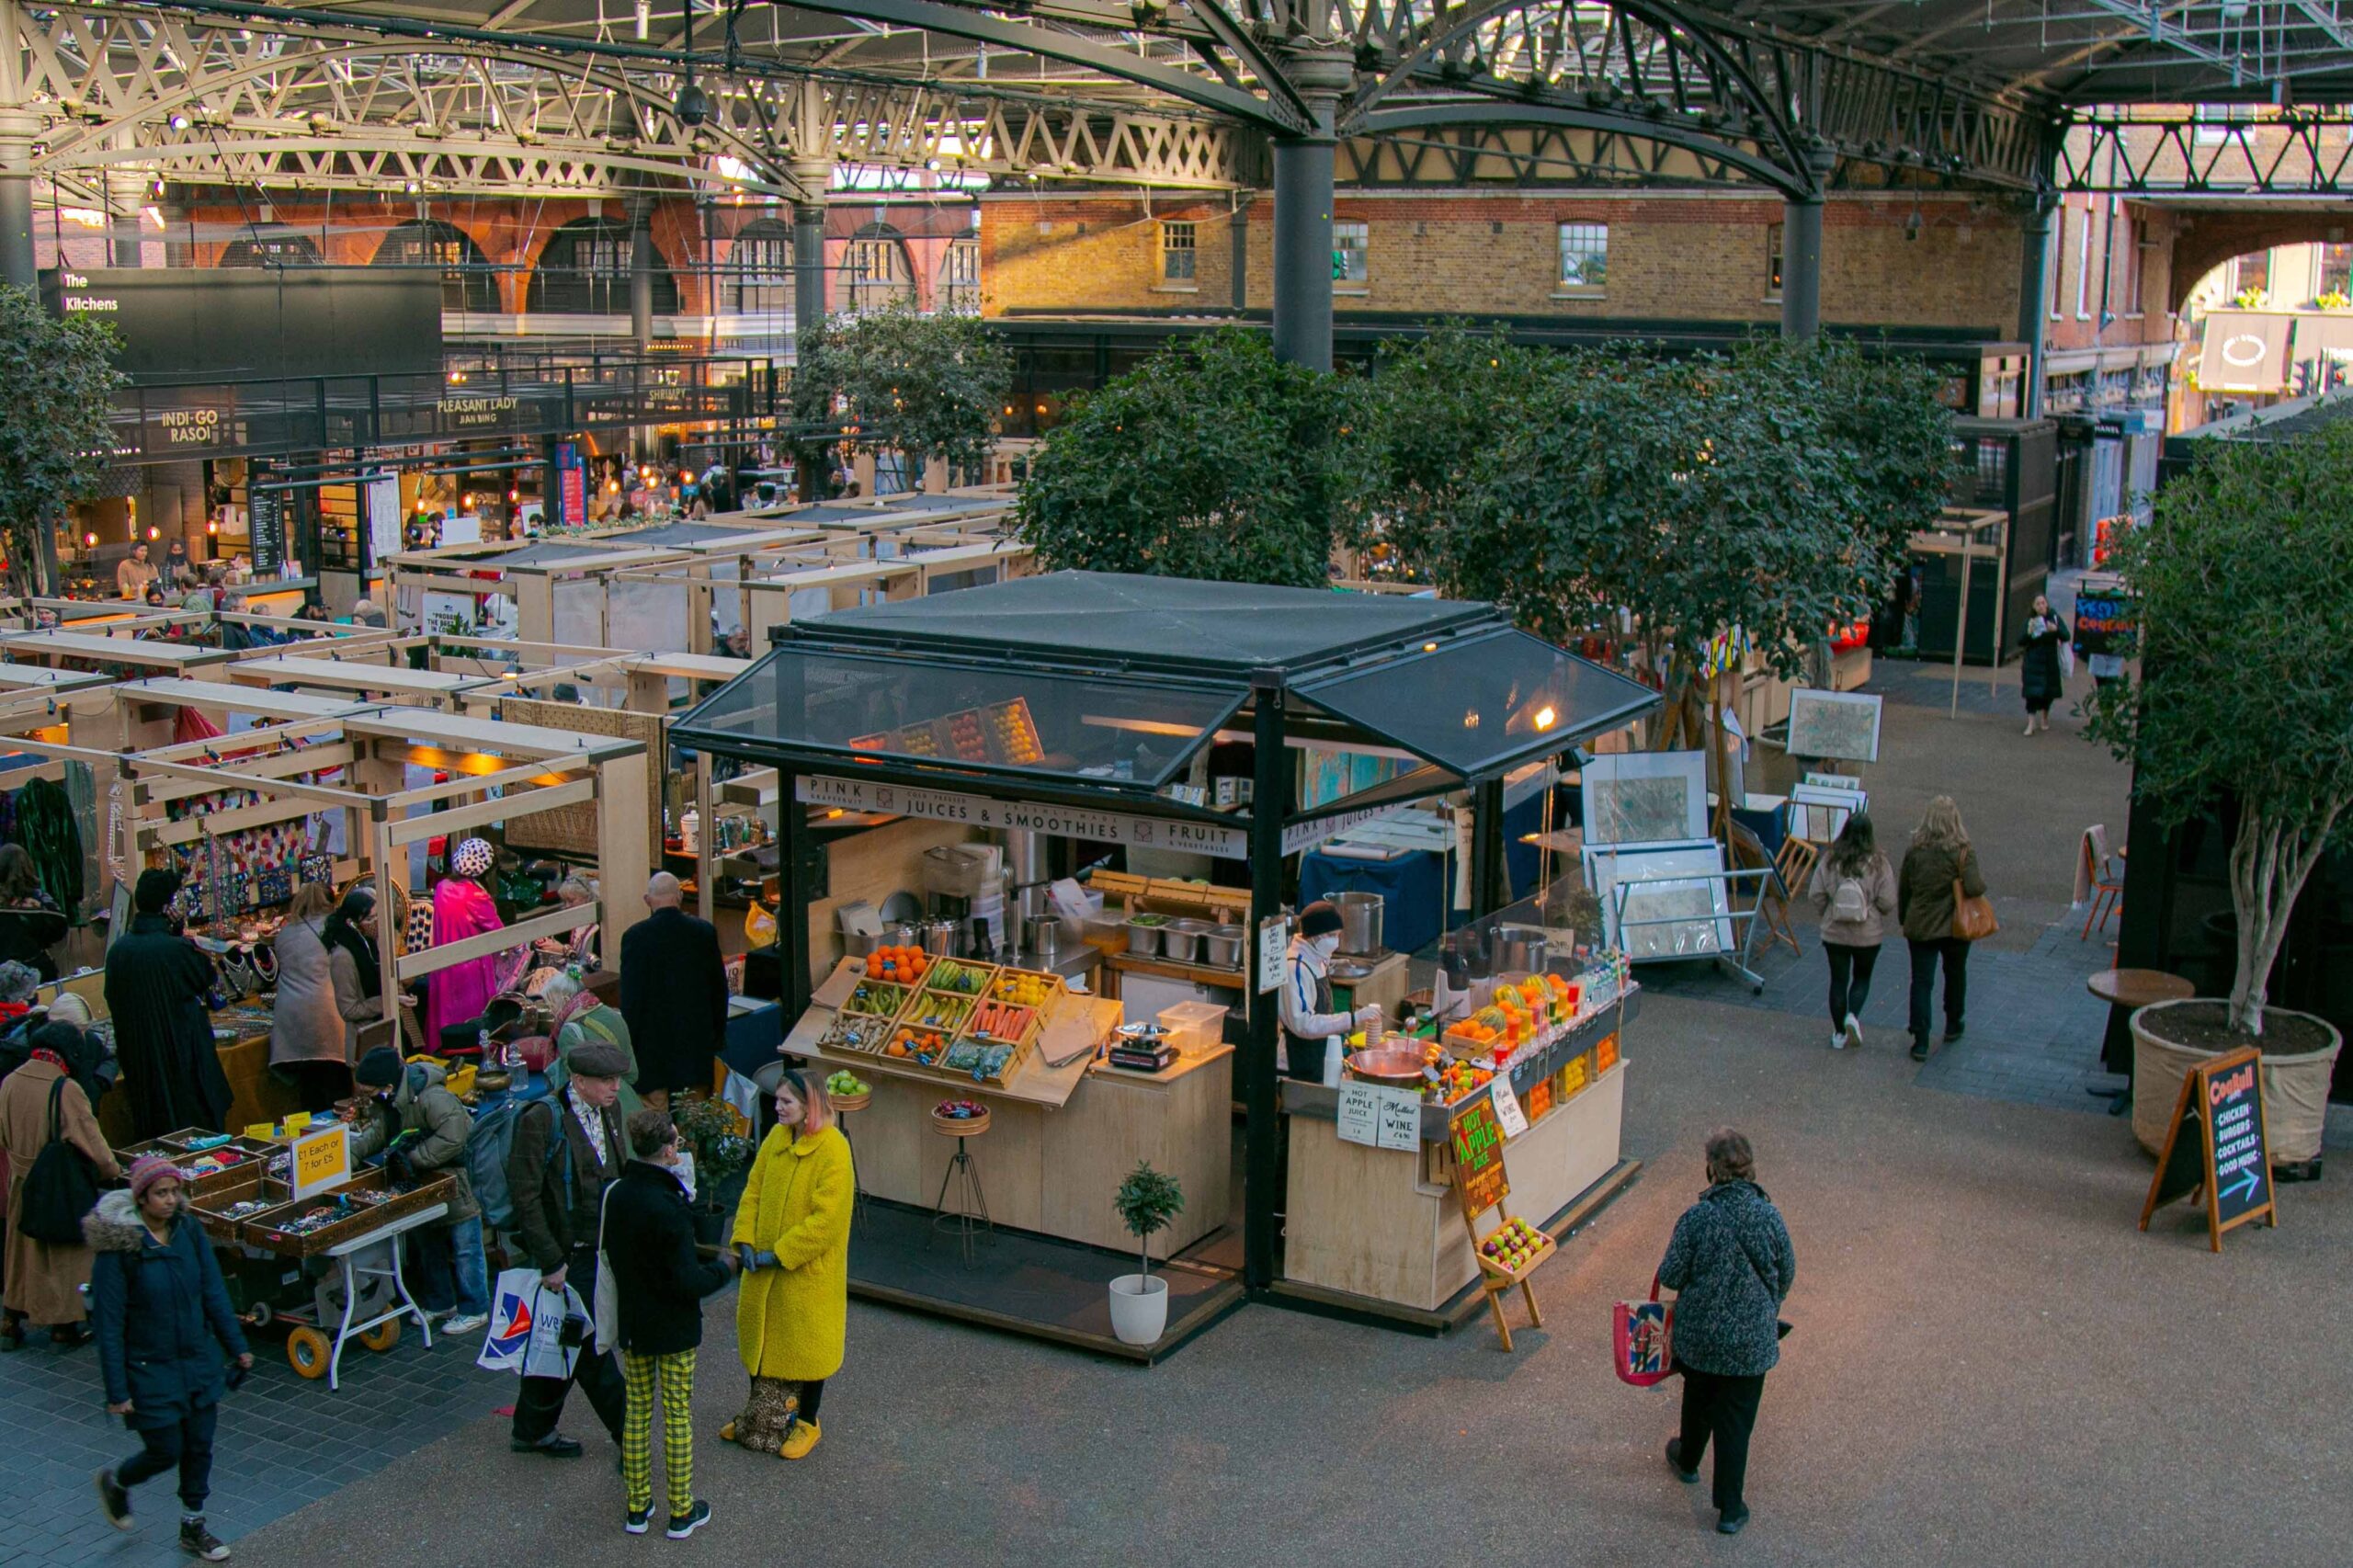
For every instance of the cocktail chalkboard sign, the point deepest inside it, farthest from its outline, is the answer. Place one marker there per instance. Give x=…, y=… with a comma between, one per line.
x=2219, y=1147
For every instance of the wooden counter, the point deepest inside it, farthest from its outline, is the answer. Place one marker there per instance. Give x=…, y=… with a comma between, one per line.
x=1373, y=1223
x=1059, y=1143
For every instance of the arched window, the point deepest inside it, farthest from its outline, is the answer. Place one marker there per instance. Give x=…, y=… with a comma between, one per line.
x=584, y=271
x=960, y=278
x=759, y=267
x=466, y=280
x=879, y=273
x=279, y=249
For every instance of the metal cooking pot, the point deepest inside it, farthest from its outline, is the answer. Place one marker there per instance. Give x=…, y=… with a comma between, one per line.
x=1386, y=1065
x=901, y=934
x=1041, y=936
x=1181, y=939
x=1221, y=949
x=1361, y=914
x=940, y=938
x=1519, y=948
x=1144, y=939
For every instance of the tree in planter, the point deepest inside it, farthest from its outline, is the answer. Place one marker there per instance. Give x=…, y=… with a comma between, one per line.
x=1147, y=1201
x=929, y=386
x=1210, y=460
x=2245, y=588
x=57, y=384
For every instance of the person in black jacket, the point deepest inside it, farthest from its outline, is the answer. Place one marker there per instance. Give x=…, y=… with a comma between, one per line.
x=156, y=983
x=674, y=996
x=2038, y=677
x=650, y=1247
x=1732, y=1265
x=160, y=1305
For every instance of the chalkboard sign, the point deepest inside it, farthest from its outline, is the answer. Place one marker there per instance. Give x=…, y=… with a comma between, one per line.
x=2218, y=1147
x=1478, y=1178
x=2104, y=621
x=265, y=528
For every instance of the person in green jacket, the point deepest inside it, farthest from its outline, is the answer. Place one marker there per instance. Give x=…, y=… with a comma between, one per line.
x=1939, y=858
x=415, y=1113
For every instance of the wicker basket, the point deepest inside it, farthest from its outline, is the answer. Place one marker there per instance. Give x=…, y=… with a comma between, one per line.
x=968, y=1127
x=845, y=1105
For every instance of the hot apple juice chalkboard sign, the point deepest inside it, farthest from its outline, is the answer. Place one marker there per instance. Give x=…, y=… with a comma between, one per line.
x=2218, y=1147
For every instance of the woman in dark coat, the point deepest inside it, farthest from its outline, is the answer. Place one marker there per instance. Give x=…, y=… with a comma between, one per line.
x=30, y=922
x=160, y=1305
x=2039, y=663
x=1732, y=1265
x=156, y=984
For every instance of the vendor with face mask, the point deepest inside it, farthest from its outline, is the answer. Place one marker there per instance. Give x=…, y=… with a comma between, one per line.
x=1311, y=1028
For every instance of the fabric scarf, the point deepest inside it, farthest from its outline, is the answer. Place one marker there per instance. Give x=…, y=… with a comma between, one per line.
x=582, y=1000
x=41, y=1054
x=46, y=828
x=341, y=933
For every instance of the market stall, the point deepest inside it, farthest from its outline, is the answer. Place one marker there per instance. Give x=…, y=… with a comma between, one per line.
x=1075, y=707
x=544, y=592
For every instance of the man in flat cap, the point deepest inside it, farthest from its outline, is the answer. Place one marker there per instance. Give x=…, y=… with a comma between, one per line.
x=567, y=1149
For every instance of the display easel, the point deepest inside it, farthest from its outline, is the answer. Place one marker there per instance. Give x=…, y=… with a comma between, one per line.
x=1774, y=897
x=1736, y=957
x=1480, y=1185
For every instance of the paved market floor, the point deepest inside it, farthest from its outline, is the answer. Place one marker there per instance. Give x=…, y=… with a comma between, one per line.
x=1991, y=1366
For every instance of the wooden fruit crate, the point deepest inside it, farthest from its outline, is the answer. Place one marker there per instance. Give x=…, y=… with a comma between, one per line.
x=858, y=1031
x=988, y=972
x=947, y=1012
x=875, y=998
x=265, y=1229
x=1508, y=1277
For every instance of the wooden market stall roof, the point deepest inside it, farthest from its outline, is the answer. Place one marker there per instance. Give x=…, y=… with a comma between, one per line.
x=359, y=676
x=150, y=654
x=41, y=677
x=260, y=701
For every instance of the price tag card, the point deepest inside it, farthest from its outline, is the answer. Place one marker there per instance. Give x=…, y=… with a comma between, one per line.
x=322, y=1160
x=1508, y=1115
x=1400, y=1119
x=1360, y=1114
x=1274, y=944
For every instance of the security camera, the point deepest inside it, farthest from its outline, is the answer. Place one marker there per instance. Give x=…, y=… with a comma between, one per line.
x=694, y=105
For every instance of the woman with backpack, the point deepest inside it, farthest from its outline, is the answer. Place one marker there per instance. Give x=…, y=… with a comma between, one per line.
x=1939, y=870
x=1854, y=892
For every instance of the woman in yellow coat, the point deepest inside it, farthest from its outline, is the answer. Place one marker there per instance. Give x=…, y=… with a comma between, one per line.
x=793, y=1234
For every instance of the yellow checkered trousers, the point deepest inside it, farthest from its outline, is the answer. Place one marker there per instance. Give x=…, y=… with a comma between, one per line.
x=674, y=1374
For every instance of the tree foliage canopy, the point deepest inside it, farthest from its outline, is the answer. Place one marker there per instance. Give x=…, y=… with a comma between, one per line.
x=930, y=386
x=2243, y=583
x=1210, y=460
x=57, y=384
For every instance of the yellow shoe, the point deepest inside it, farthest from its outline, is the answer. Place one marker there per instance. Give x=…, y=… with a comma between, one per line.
x=727, y=1433
x=801, y=1439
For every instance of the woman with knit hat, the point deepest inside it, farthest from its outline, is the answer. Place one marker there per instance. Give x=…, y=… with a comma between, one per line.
x=462, y=907
x=1304, y=1004
x=160, y=1306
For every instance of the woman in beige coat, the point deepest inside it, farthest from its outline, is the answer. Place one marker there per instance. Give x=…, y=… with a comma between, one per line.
x=45, y=1278
x=308, y=1041
x=1853, y=891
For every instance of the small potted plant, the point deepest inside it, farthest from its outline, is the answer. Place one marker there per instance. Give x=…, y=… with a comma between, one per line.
x=1147, y=1200
x=710, y=1131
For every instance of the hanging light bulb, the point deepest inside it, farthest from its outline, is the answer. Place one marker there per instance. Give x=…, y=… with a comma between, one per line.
x=90, y=541
x=153, y=532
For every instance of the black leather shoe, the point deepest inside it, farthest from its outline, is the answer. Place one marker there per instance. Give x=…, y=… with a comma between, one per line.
x=1674, y=1463
x=557, y=1447
x=1919, y=1050
x=1953, y=1032
x=1732, y=1523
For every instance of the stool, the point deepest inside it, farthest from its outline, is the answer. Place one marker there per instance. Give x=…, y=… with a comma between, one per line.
x=844, y=1107
x=971, y=1205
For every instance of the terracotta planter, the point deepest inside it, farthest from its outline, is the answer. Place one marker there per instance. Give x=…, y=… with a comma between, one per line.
x=2295, y=1088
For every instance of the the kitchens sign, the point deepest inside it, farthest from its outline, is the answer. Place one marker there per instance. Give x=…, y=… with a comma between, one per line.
x=1025, y=816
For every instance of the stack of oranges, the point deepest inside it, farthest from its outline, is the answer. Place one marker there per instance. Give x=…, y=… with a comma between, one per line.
x=905, y=965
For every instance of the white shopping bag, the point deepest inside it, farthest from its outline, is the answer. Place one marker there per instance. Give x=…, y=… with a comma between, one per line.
x=526, y=1333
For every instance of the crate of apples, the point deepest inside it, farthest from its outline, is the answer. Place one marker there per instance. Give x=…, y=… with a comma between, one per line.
x=1513, y=1247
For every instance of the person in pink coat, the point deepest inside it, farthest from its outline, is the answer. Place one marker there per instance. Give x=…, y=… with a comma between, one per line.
x=462, y=907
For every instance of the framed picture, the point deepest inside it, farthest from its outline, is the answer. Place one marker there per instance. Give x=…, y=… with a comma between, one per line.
x=1676, y=903
x=1819, y=813
x=1843, y=724
x=1645, y=796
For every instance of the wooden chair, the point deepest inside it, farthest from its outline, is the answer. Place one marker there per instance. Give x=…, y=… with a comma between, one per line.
x=1796, y=862
x=2101, y=877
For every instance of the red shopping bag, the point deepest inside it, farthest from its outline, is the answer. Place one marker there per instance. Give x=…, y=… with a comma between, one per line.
x=1641, y=1335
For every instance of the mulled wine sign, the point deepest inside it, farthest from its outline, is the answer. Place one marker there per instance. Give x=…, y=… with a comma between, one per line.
x=2218, y=1147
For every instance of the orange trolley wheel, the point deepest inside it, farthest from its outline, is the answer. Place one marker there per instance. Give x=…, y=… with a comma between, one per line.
x=307, y=1351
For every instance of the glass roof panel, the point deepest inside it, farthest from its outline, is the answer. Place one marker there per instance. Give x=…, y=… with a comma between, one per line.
x=1484, y=703
x=1002, y=719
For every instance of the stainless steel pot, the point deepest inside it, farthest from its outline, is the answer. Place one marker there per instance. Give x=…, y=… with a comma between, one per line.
x=940, y=938
x=901, y=934
x=1041, y=936
x=1518, y=949
x=1181, y=939
x=1221, y=949
x=1361, y=916
x=1144, y=939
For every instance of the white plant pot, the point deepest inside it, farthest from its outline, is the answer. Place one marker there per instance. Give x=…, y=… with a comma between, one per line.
x=1139, y=1308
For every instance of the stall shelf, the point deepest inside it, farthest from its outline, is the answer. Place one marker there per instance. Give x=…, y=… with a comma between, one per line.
x=1063, y=705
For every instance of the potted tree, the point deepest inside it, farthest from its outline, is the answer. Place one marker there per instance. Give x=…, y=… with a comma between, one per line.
x=710, y=1131
x=1147, y=1200
x=2245, y=583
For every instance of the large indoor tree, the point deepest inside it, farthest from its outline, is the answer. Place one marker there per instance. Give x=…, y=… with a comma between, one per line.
x=925, y=386
x=57, y=385
x=2244, y=580
x=1210, y=460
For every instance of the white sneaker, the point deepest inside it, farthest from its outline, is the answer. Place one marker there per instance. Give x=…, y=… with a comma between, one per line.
x=1837, y=1040
x=1854, y=1031
x=469, y=1322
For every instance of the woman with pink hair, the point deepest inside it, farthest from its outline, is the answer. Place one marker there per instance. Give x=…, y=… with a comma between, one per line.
x=462, y=907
